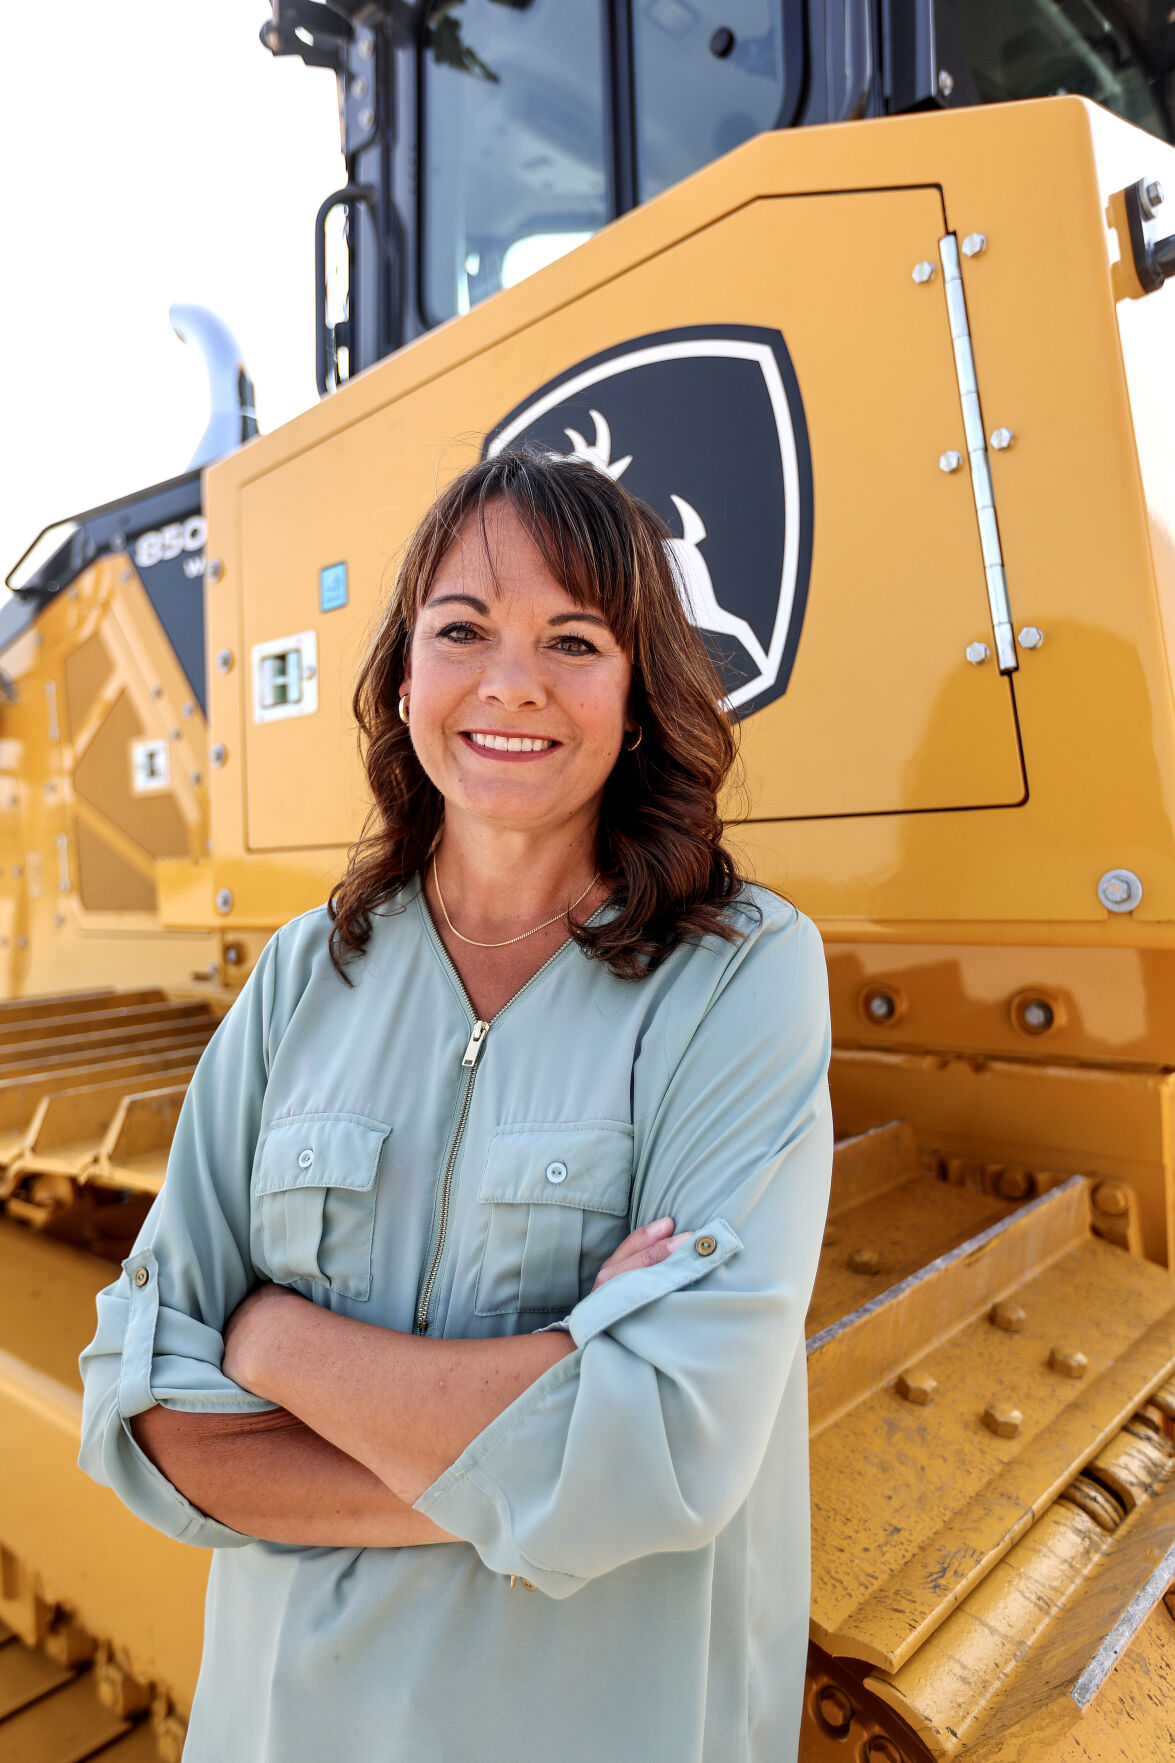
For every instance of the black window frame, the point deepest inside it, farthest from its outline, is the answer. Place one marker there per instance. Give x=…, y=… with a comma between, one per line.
x=621, y=148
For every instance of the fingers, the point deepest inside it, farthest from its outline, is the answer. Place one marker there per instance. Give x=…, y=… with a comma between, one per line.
x=643, y=1247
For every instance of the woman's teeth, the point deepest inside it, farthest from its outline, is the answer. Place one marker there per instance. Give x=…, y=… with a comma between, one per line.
x=511, y=743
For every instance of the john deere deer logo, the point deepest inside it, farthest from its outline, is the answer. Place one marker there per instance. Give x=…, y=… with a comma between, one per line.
x=709, y=429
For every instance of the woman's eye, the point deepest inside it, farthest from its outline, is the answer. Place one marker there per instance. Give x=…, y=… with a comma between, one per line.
x=458, y=633
x=578, y=645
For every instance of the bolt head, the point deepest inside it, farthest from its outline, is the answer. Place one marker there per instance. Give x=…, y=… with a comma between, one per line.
x=217, y=753
x=977, y=653
x=224, y=900
x=1014, y=1183
x=916, y=1386
x=1111, y=1198
x=1120, y=890
x=1005, y=1422
x=882, y=1006
x=722, y=42
x=1031, y=637
x=1001, y=439
x=224, y=660
x=923, y=272
x=863, y=1261
x=1038, y=1016
x=366, y=48
x=975, y=244
x=834, y=1708
x=949, y=461
x=946, y=81
x=1068, y=1364
x=214, y=569
x=366, y=117
x=1007, y=1315
x=1153, y=192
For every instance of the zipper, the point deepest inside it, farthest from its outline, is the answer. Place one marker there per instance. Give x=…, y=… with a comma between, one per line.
x=469, y=1059
x=468, y=1063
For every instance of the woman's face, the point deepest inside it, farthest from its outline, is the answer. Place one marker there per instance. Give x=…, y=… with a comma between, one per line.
x=513, y=659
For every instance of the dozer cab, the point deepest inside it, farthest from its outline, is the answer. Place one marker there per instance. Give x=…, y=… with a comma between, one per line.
x=868, y=300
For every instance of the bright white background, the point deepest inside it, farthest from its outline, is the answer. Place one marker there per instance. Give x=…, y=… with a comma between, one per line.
x=150, y=151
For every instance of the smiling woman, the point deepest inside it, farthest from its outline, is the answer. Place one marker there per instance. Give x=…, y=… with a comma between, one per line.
x=411, y=1328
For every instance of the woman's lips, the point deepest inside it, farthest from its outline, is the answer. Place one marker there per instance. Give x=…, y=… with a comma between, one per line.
x=500, y=753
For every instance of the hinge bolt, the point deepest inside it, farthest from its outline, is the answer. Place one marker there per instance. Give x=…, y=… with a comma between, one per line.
x=977, y=653
x=949, y=461
x=1008, y=1316
x=923, y=272
x=863, y=1261
x=975, y=244
x=224, y=900
x=1001, y=439
x=1031, y=637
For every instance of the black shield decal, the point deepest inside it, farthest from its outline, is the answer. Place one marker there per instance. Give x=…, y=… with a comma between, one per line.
x=706, y=425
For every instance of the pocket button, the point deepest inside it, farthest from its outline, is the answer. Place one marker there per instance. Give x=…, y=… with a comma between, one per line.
x=305, y=1158
x=556, y=1172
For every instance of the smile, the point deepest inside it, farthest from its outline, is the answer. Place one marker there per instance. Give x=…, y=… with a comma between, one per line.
x=510, y=743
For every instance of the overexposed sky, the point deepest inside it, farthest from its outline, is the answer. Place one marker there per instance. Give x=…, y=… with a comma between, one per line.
x=150, y=152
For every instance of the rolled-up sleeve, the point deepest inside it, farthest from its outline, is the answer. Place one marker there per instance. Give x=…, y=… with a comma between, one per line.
x=649, y=1436
x=159, y=1337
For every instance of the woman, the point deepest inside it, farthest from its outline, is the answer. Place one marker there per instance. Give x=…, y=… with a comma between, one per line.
x=411, y=1333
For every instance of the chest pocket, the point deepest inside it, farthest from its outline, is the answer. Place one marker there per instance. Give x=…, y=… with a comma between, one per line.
x=313, y=1200
x=557, y=1198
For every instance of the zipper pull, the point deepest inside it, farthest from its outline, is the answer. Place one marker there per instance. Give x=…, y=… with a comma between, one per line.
x=480, y=1031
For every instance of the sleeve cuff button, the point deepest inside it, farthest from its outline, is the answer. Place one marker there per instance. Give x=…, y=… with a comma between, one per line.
x=141, y=1276
x=706, y=1245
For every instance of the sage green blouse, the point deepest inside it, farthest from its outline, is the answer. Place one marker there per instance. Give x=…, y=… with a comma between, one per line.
x=632, y=1583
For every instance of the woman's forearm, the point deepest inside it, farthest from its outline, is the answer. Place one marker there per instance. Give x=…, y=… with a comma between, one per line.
x=405, y=1406
x=270, y=1476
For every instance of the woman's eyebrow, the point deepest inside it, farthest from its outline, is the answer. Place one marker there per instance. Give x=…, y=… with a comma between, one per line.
x=578, y=618
x=457, y=599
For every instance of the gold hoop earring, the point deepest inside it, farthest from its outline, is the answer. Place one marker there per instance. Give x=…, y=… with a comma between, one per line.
x=631, y=746
x=404, y=708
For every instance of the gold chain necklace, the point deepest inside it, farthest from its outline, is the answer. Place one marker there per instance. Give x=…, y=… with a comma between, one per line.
x=547, y=922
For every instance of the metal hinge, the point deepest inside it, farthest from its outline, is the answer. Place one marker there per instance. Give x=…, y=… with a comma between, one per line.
x=989, y=532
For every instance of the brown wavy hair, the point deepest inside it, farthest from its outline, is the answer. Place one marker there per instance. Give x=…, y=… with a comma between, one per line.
x=659, y=844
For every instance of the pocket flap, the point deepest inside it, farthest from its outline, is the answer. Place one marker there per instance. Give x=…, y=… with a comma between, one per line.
x=319, y=1151
x=586, y=1164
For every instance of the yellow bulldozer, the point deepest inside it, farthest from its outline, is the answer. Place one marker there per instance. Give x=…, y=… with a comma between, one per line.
x=866, y=297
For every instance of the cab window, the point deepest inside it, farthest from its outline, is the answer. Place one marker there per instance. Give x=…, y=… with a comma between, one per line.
x=1039, y=48
x=728, y=79
x=515, y=142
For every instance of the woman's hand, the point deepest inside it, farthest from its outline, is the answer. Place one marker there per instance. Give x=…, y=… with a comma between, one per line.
x=643, y=1247
x=253, y=1325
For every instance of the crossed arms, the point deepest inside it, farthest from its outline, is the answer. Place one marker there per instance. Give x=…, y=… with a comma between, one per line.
x=367, y=1418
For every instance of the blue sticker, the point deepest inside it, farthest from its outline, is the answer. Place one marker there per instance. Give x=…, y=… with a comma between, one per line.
x=332, y=586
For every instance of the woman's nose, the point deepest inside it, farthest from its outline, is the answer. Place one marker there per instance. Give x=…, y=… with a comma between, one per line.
x=513, y=680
